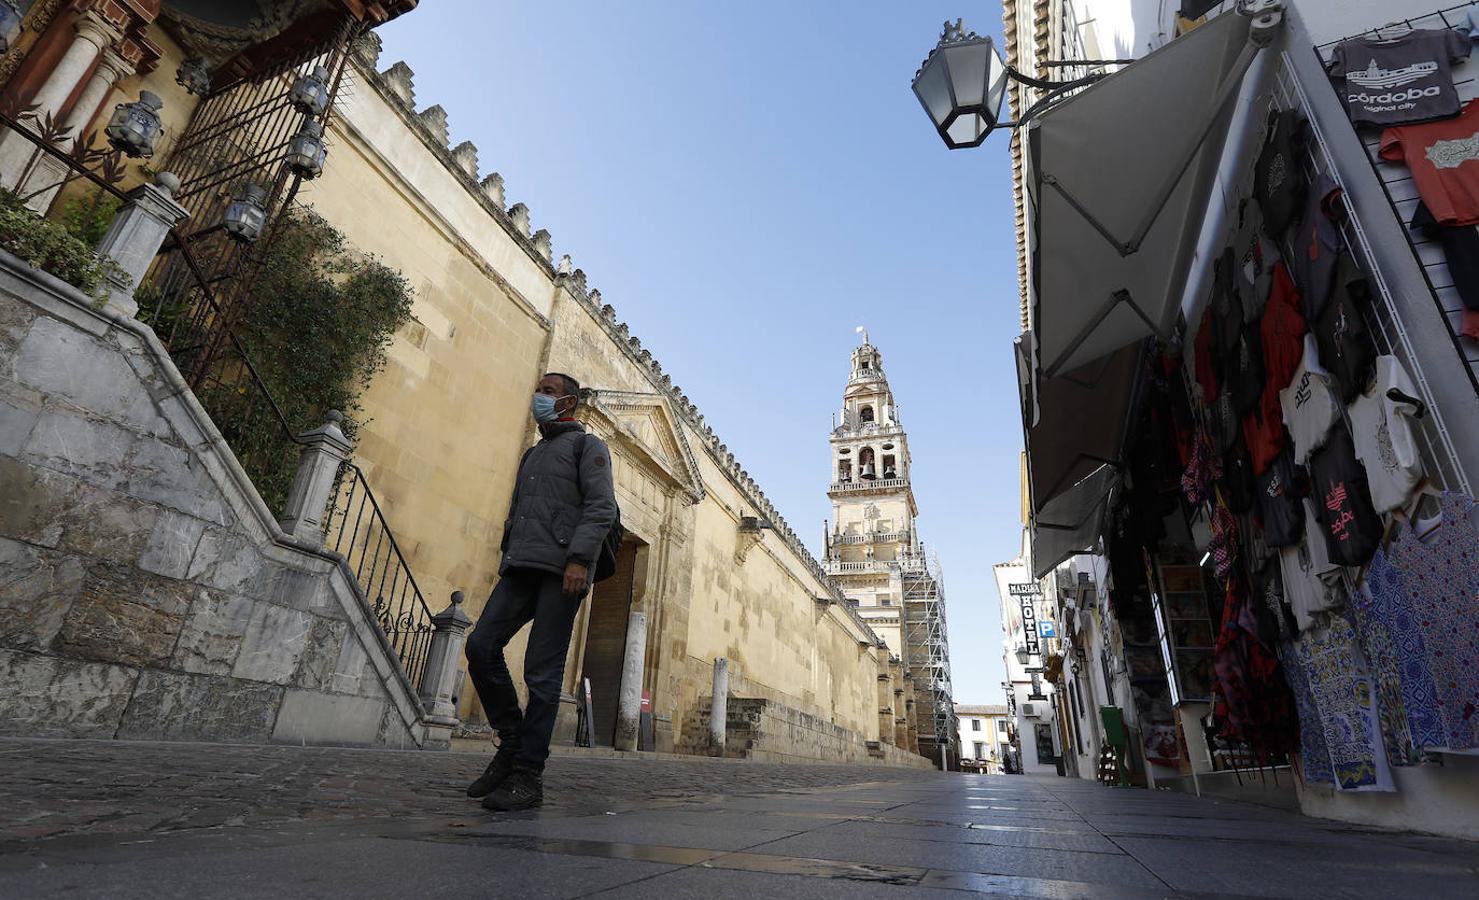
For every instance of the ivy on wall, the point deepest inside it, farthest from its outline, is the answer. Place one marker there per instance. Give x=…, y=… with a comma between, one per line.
x=317, y=325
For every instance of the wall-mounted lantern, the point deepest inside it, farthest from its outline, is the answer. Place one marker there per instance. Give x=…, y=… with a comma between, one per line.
x=306, y=152
x=194, y=76
x=309, y=95
x=134, y=128
x=247, y=215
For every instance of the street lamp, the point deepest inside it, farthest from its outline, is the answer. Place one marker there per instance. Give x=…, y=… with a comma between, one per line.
x=1022, y=655
x=194, y=76
x=310, y=93
x=963, y=81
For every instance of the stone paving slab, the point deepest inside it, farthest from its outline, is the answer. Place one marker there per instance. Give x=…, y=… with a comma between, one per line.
x=94, y=819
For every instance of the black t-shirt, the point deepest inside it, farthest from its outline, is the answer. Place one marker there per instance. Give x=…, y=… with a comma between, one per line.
x=1351, y=527
x=1243, y=369
x=1278, y=177
x=1237, y=478
x=1344, y=342
x=1279, y=506
x=1461, y=247
x=1227, y=309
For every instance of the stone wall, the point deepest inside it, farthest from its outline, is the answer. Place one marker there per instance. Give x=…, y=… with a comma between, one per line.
x=767, y=731
x=145, y=590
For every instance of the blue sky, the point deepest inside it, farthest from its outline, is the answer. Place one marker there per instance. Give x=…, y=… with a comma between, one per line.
x=746, y=183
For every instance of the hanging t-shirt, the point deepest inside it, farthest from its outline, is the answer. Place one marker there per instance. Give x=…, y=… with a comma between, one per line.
x=1227, y=311
x=1317, y=244
x=1444, y=159
x=1237, y=480
x=1207, y=365
x=1244, y=368
x=1280, y=511
x=1305, y=590
x=1282, y=331
x=1382, y=427
x=1256, y=255
x=1351, y=526
x=1346, y=350
x=1263, y=430
x=1402, y=79
x=1278, y=178
x=1309, y=403
x=1461, y=248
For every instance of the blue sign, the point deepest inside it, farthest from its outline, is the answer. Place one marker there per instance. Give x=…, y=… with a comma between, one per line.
x=1045, y=629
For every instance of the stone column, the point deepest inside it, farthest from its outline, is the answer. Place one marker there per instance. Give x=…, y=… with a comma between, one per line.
x=439, y=681
x=134, y=238
x=719, y=708
x=629, y=704
x=324, y=449
x=93, y=34
x=46, y=176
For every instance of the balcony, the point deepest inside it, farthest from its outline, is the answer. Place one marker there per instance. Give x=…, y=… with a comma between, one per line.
x=874, y=566
x=872, y=537
x=870, y=484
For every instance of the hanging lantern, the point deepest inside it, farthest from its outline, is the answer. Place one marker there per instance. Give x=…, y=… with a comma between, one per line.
x=193, y=76
x=247, y=215
x=134, y=128
x=10, y=26
x=310, y=93
x=306, y=151
x=961, y=85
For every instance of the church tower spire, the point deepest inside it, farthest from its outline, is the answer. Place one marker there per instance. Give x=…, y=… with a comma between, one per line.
x=874, y=553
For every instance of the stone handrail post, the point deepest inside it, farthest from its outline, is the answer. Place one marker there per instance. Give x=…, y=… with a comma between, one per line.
x=629, y=702
x=324, y=448
x=439, y=683
x=719, y=708
x=134, y=238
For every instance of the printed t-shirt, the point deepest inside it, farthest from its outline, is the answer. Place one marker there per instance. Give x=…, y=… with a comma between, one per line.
x=1444, y=159
x=1317, y=244
x=1278, y=180
x=1382, y=428
x=1309, y=403
x=1279, y=509
x=1311, y=581
x=1402, y=79
x=1351, y=527
x=1461, y=248
x=1346, y=350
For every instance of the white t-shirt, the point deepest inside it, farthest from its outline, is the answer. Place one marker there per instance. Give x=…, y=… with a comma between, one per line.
x=1311, y=581
x=1310, y=406
x=1382, y=430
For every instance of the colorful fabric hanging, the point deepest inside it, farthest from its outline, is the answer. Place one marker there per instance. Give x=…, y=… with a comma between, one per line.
x=1340, y=686
x=1386, y=673
x=1441, y=575
x=1385, y=602
x=1314, y=756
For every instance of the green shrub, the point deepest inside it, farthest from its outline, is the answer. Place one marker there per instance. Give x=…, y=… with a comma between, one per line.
x=49, y=246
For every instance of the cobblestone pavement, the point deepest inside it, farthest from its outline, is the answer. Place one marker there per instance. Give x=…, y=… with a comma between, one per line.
x=135, y=820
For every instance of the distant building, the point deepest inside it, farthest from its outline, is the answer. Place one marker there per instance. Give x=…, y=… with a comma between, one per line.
x=985, y=737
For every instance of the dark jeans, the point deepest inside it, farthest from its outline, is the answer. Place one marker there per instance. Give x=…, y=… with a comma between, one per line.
x=519, y=596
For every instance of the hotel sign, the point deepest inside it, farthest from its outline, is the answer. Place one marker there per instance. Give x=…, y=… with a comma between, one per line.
x=1028, y=592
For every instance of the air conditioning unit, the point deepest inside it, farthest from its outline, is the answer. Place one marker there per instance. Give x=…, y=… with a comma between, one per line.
x=1029, y=710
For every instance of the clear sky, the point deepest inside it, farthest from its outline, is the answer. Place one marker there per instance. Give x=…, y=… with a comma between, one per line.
x=746, y=183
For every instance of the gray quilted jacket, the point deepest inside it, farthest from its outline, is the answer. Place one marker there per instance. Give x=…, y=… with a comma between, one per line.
x=563, y=503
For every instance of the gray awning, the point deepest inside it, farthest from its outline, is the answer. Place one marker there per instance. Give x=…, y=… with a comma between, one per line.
x=1073, y=521
x=1078, y=422
x=1119, y=181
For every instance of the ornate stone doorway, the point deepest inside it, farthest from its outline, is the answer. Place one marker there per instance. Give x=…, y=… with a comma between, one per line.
x=605, y=639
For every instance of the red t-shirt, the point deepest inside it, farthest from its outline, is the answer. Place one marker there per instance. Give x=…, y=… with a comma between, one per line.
x=1444, y=159
x=1282, y=330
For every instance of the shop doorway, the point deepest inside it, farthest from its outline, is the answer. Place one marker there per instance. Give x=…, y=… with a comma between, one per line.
x=606, y=640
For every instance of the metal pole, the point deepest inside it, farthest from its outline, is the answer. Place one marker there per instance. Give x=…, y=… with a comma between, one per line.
x=629, y=703
x=719, y=707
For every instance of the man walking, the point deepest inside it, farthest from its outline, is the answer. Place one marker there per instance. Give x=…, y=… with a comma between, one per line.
x=563, y=506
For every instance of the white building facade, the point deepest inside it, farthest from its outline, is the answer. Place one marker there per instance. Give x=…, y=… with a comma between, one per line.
x=985, y=738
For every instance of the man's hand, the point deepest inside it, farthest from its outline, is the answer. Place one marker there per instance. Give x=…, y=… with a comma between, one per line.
x=575, y=578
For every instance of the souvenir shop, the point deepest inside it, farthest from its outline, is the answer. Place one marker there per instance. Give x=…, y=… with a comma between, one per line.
x=1283, y=480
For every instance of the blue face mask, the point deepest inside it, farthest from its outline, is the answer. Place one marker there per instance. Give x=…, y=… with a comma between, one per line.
x=543, y=407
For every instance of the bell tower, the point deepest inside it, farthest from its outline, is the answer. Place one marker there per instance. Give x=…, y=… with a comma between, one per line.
x=873, y=548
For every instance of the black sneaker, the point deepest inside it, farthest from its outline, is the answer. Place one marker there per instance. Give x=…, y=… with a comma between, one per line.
x=522, y=789
x=494, y=775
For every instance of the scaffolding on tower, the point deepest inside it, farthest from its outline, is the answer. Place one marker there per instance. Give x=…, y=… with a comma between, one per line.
x=928, y=647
